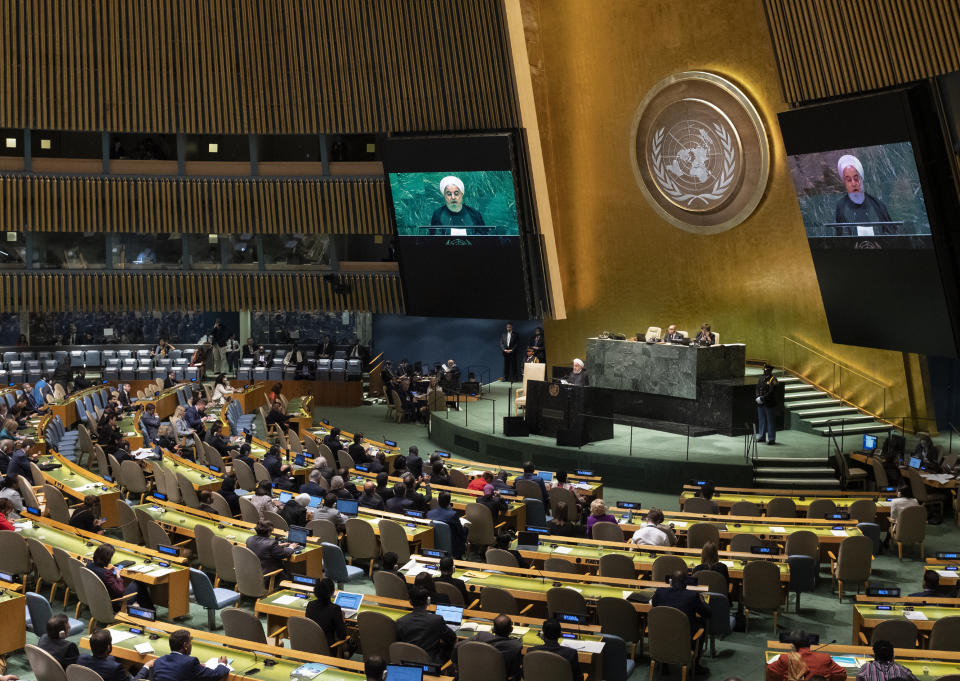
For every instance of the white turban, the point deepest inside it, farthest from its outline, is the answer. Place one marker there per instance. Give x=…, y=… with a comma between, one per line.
x=847, y=161
x=578, y=361
x=451, y=179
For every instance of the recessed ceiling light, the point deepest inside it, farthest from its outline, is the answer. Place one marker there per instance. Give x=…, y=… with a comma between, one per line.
x=44, y=144
x=212, y=148
x=11, y=143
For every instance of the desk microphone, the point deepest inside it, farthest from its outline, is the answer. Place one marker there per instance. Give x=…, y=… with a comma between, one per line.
x=254, y=669
x=823, y=645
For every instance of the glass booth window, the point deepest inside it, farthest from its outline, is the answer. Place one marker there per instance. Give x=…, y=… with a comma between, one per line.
x=74, y=251
x=295, y=251
x=240, y=251
x=147, y=251
x=205, y=251
x=13, y=250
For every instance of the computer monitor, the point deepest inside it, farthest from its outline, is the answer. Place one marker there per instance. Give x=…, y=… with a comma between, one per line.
x=915, y=462
x=528, y=538
x=315, y=502
x=285, y=497
x=299, y=460
x=451, y=614
x=399, y=672
x=546, y=476
x=869, y=443
x=297, y=535
x=107, y=333
x=348, y=507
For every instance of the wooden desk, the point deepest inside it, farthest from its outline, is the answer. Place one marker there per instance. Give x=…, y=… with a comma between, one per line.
x=869, y=612
x=947, y=569
x=13, y=619
x=66, y=409
x=250, y=397
x=199, y=476
x=77, y=482
x=593, y=484
x=170, y=585
x=925, y=664
x=166, y=401
x=728, y=496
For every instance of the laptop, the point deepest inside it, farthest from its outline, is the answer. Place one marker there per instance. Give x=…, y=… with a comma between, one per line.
x=285, y=497
x=546, y=476
x=915, y=462
x=869, y=443
x=528, y=540
x=452, y=615
x=349, y=602
x=299, y=460
x=297, y=535
x=315, y=502
x=348, y=507
x=400, y=672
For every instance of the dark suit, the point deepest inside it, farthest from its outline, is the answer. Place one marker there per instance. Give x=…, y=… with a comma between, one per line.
x=358, y=453
x=458, y=533
x=269, y=551
x=688, y=602
x=427, y=630
x=510, y=648
x=150, y=425
x=65, y=652
x=398, y=504
x=107, y=667
x=313, y=489
x=20, y=465
x=509, y=358
x=415, y=465
x=580, y=378
x=568, y=654
x=330, y=619
x=180, y=667
x=373, y=501
x=294, y=513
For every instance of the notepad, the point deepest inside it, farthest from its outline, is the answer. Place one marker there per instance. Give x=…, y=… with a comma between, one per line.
x=160, y=572
x=286, y=600
x=778, y=530
x=520, y=631
x=215, y=662
x=914, y=615
x=563, y=549
x=585, y=646
x=947, y=573
x=117, y=635
x=143, y=648
x=839, y=533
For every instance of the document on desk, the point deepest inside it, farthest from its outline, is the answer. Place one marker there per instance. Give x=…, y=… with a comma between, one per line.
x=585, y=646
x=777, y=530
x=839, y=533
x=215, y=662
x=942, y=478
x=142, y=648
x=286, y=600
x=160, y=572
x=914, y=615
x=563, y=549
x=117, y=635
x=948, y=573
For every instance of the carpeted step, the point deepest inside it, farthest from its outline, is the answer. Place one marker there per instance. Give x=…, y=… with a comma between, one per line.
x=795, y=387
x=856, y=428
x=784, y=471
x=845, y=419
x=804, y=394
x=813, y=403
x=797, y=483
x=826, y=411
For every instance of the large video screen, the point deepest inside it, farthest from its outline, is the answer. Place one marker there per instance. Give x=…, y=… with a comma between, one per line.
x=870, y=184
x=459, y=241
x=862, y=197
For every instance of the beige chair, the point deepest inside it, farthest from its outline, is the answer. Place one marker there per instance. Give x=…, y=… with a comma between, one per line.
x=653, y=333
x=260, y=472
x=133, y=480
x=36, y=475
x=945, y=634
x=607, y=531
x=248, y=512
x=742, y=543
x=669, y=639
x=241, y=624
x=560, y=565
x=203, y=536
x=562, y=599
x=481, y=533
x=220, y=505
x=44, y=665
x=879, y=473
x=250, y=575
x=310, y=447
x=542, y=665
x=245, y=477
x=495, y=599
x=98, y=599
x=362, y=543
x=478, y=661
x=451, y=592
x=173, y=486
x=531, y=372
x=15, y=556
x=223, y=559
x=803, y=543
x=187, y=492
x=910, y=528
x=307, y=635
x=920, y=492
x=746, y=509
x=761, y=589
x=376, y=632
x=157, y=536
x=324, y=530
x=902, y=633
x=401, y=652
x=699, y=505
x=459, y=479
x=278, y=521
x=63, y=559
x=496, y=556
x=346, y=461
x=390, y=585
x=558, y=494
x=666, y=565
x=864, y=511
x=45, y=564
x=76, y=672
x=618, y=616
x=129, y=525
x=849, y=476
x=821, y=508
x=714, y=581
x=56, y=505
x=327, y=455
x=699, y=534
x=27, y=493
x=528, y=489
x=853, y=563
x=781, y=507
x=394, y=538
x=84, y=445
x=617, y=565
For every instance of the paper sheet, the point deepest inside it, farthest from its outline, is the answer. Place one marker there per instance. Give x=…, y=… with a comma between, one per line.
x=143, y=648
x=285, y=600
x=838, y=533
x=778, y=530
x=117, y=635
x=160, y=572
x=948, y=573
x=585, y=646
x=914, y=615
x=563, y=549
x=475, y=575
x=214, y=662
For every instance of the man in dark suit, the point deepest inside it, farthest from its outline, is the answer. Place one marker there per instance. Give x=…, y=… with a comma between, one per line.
x=510, y=648
x=101, y=661
x=194, y=417
x=370, y=498
x=445, y=514
x=149, y=424
x=55, y=641
x=179, y=665
x=295, y=510
x=509, y=342
x=426, y=629
x=528, y=474
x=270, y=552
x=550, y=633
x=446, y=575
x=687, y=602
x=420, y=502
x=414, y=462
x=578, y=375
x=123, y=396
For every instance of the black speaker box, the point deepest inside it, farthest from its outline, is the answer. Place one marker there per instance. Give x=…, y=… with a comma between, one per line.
x=515, y=426
x=569, y=438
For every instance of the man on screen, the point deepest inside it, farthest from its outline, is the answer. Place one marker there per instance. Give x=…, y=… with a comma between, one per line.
x=454, y=211
x=857, y=205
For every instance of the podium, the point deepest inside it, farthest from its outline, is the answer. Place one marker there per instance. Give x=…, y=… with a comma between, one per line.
x=567, y=412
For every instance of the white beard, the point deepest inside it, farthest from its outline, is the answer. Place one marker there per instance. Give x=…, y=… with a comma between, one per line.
x=857, y=197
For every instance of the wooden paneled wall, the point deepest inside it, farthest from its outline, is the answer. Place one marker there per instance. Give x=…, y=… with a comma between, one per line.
x=207, y=205
x=260, y=66
x=69, y=292
x=826, y=48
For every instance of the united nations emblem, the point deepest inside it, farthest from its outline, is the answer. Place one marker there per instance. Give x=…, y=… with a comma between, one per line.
x=553, y=389
x=700, y=152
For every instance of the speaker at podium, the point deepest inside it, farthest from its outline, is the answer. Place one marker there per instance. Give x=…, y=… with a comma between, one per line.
x=570, y=413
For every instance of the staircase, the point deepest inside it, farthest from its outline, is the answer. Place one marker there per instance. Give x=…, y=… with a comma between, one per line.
x=810, y=410
x=780, y=472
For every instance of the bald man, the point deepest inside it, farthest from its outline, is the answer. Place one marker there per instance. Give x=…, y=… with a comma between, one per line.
x=858, y=206
x=454, y=211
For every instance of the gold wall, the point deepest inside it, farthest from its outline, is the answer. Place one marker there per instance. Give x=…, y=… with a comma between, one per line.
x=623, y=267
